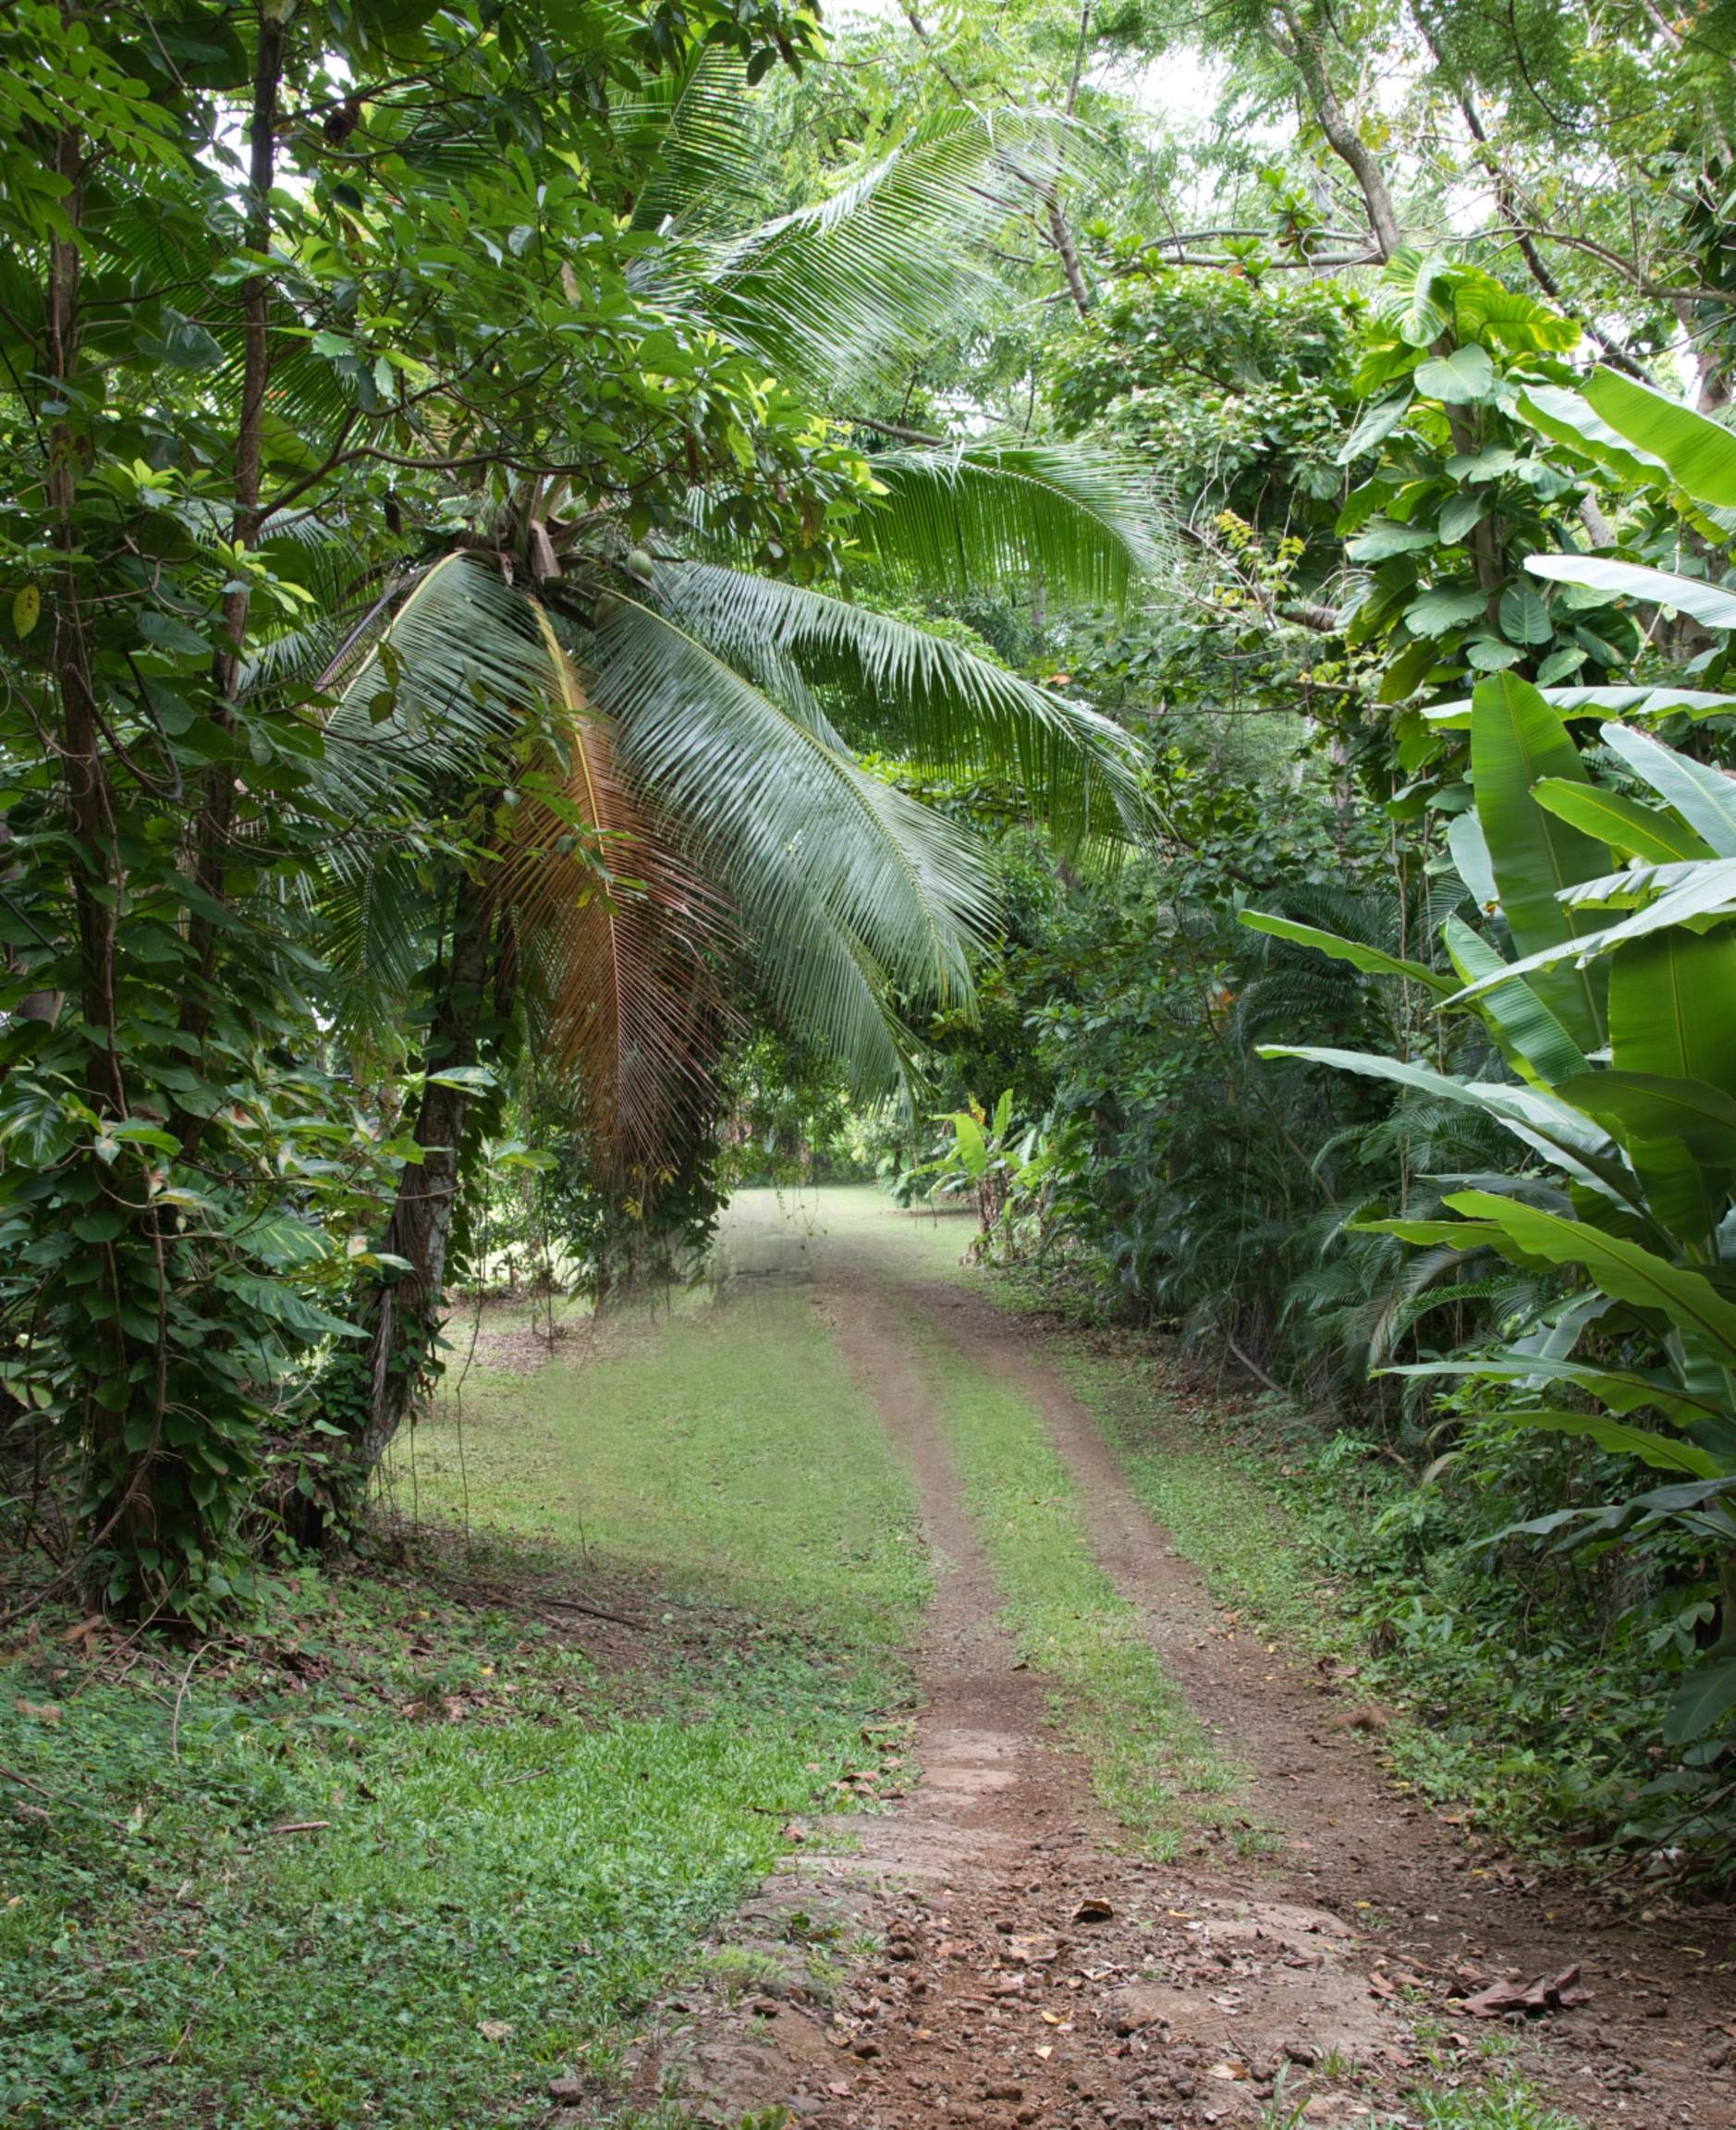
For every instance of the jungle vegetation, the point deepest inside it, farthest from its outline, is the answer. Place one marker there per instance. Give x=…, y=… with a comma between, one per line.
x=601, y=601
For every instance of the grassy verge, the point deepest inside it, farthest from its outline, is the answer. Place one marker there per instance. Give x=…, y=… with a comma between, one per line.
x=1152, y=1762
x=403, y=1854
x=1321, y=1543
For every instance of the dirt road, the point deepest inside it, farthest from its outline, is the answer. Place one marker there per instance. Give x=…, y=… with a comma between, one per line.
x=1009, y=1959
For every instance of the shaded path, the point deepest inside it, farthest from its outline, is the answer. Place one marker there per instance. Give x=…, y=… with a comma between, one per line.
x=1031, y=1973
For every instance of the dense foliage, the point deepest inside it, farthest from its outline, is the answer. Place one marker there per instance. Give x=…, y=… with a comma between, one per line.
x=601, y=603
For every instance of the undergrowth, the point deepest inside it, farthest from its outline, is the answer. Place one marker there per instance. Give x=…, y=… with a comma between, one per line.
x=404, y=1852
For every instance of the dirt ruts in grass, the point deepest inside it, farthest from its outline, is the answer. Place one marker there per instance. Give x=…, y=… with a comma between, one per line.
x=993, y=1952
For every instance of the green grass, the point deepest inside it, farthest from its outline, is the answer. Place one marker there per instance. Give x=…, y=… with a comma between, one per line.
x=494, y=1896
x=1152, y=1763
x=1222, y=1510
x=728, y=1452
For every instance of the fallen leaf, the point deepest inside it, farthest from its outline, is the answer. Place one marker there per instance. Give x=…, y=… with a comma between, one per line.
x=1558, y=1993
x=1093, y=1910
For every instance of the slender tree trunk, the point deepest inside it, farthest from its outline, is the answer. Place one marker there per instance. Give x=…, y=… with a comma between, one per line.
x=1062, y=236
x=403, y=1318
x=1301, y=45
x=217, y=812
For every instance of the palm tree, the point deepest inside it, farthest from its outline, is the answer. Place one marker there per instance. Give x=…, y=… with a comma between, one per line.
x=656, y=751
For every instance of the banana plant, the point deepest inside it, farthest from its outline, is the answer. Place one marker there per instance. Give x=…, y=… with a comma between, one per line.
x=1619, y=1042
x=1604, y=970
x=982, y=1158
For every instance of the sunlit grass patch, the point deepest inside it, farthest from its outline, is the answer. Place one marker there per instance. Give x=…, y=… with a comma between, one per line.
x=725, y=1450
x=443, y=1854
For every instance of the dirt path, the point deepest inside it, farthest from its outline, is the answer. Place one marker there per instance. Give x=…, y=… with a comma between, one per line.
x=1012, y=1966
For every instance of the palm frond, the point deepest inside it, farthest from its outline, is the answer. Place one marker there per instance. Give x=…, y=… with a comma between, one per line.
x=996, y=514
x=848, y=890
x=916, y=695
x=692, y=132
x=848, y=291
x=619, y=935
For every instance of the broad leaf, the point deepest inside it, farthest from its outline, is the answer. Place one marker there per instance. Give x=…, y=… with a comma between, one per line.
x=1619, y=1267
x=1705, y=798
x=1691, y=595
x=1701, y=455
x=1662, y=1453
x=1704, y=1699
x=1516, y=740
x=1370, y=960
x=1535, y=1043
x=1634, y=830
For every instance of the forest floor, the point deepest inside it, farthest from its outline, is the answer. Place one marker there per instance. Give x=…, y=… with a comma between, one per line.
x=775, y=1704
x=1151, y=1869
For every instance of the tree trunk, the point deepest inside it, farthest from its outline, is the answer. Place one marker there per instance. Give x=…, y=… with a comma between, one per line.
x=404, y=1317
x=217, y=813
x=1302, y=48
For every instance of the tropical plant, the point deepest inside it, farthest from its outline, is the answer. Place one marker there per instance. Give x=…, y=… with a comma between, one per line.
x=653, y=747
x=1618, y=1042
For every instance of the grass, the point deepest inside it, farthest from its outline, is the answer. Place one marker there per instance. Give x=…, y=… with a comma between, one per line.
x=718, y=1451
x=1318, y=1547
x=1152, y=1763
x=504, y=1850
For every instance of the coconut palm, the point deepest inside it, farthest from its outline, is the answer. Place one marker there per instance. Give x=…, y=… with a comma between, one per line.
x=658, y=746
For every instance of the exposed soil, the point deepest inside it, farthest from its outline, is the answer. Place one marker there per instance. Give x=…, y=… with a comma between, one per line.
x=1004, y=1962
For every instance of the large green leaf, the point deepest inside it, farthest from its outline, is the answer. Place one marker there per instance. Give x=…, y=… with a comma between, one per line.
x=1572, y=420
x=1634, y=830
x=1700, y=454
x=956, y=520
x=1517, y=740
x=1465, y=375
x=1645, y=1106
x=1370, y=960
x=1622, y=1390
x=1534, y=1041
x=1690, y=892
x=1530, y=1113
x=1662, y=1453
x=1672, y=1007
x=1705, y=798
x=1702, y=1701
x=1693, y=595
x=1594, y=701
x=1619, y=1267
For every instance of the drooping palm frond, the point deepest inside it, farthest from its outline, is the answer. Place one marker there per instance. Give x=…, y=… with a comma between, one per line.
x=848, y=890
x=847, y=292
x=429, y=683
x=956, y=521
x=904, y=691
x=619, y=931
